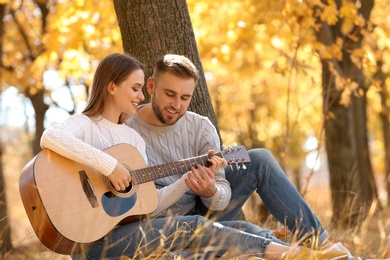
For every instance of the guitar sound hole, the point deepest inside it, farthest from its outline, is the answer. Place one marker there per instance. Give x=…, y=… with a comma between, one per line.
x=123, y=193
x=128, y=189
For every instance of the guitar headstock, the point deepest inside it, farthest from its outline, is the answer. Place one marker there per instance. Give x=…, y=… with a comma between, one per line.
x=236, y=155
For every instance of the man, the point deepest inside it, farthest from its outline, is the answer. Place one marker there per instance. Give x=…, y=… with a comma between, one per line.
x=172, y=133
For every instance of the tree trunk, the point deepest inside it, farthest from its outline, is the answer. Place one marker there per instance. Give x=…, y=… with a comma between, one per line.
x=339, y=146
x=152, y=28
x=40, y=109
x=5, y=230
x=351, y=175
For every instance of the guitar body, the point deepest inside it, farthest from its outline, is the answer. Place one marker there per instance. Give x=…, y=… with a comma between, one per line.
x=64, y=216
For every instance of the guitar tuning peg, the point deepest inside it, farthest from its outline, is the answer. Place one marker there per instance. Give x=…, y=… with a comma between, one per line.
x=238, y=166
x=231, y=167
x=244, y=166
x=234, y=145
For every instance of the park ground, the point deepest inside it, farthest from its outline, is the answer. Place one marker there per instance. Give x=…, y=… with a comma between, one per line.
x=368, y=240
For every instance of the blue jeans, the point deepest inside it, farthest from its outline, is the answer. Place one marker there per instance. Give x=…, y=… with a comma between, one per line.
x=265, y=176
x=191, y=236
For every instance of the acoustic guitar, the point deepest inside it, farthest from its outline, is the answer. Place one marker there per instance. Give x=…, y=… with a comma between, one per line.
x=71, y=205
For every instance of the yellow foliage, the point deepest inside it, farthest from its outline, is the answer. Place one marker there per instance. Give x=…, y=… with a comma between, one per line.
x=348, y=87
x=347, y=26
x=333, y=51
x=248, y=52
x=75, y=63
x=77, y=33
x=357, y=57
x=261, y=58
x=348, y=10
x=330, y=13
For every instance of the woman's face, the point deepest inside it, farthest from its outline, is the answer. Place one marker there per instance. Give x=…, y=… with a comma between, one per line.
x=128, y=94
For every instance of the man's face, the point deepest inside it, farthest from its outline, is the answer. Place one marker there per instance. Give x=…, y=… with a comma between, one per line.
x=170, y=97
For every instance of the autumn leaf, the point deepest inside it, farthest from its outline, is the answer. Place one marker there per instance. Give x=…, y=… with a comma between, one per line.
x=330, y=14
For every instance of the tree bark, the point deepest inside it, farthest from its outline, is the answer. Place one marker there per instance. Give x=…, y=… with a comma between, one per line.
x=40, y=108
x=152, y=28
x=351, y=176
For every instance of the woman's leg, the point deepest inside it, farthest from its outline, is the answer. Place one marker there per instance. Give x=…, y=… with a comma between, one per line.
x=195, y=233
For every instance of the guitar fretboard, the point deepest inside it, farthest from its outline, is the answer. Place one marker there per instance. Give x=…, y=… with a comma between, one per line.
x=160, y=171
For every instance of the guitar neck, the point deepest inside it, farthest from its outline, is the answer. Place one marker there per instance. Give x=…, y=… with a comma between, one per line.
x=155, y=172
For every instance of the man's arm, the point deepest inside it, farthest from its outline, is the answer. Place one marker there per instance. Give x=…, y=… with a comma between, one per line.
x=210, y=141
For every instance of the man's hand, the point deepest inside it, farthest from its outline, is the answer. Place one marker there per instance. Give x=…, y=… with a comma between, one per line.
x=202, y=180
x=120, y=177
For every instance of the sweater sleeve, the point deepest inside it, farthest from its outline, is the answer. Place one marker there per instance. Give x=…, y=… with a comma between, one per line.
x=68, y=140
x=209, y=141
x=221, y=198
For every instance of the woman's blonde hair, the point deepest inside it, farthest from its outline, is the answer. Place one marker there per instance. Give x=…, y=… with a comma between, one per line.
x=115, y=67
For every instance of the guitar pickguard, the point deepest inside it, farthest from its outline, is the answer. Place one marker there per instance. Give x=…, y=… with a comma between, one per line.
x=115, y=206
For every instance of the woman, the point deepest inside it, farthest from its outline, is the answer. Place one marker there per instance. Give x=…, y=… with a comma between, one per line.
x=116, y=93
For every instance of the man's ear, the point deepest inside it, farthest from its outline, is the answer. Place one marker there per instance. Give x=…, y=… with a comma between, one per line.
x=150, y=85
x=111, y=87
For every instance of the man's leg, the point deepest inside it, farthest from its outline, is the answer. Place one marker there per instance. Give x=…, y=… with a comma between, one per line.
x=265, y=176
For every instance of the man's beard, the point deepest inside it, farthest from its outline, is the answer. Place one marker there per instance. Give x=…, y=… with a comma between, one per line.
x=158, y=112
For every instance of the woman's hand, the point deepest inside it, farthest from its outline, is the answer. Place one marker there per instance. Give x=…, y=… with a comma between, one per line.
x=120, y=177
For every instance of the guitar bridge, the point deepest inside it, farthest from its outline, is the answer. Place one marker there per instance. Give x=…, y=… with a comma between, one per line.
x=87, y=187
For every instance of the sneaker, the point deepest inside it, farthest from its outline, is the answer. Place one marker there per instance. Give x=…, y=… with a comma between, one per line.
x=306, y=253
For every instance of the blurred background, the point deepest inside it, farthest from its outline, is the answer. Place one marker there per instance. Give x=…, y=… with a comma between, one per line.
x=308, y=80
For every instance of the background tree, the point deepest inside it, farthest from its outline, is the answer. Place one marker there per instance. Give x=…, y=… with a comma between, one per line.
x=261, y=61
x=262, y=78
x=23, y=46
x=151, y=29
x=278, y=55
x=67, y=38
x=342, y=26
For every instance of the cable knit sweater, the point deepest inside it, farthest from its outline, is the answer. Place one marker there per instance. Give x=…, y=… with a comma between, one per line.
x=82, y=139
x=193, y=135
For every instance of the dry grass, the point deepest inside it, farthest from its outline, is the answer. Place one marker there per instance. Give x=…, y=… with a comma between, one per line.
x=369, y=240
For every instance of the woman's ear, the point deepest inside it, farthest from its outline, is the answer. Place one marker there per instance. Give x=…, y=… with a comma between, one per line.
x=111, y=88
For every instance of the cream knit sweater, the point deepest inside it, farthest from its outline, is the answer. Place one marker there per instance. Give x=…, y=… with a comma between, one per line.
x=82, y=139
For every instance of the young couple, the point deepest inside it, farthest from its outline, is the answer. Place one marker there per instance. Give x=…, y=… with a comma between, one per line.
x=164, y=131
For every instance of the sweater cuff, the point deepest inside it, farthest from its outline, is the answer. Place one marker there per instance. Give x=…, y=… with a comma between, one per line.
x=215, y=202
x=108, y=165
